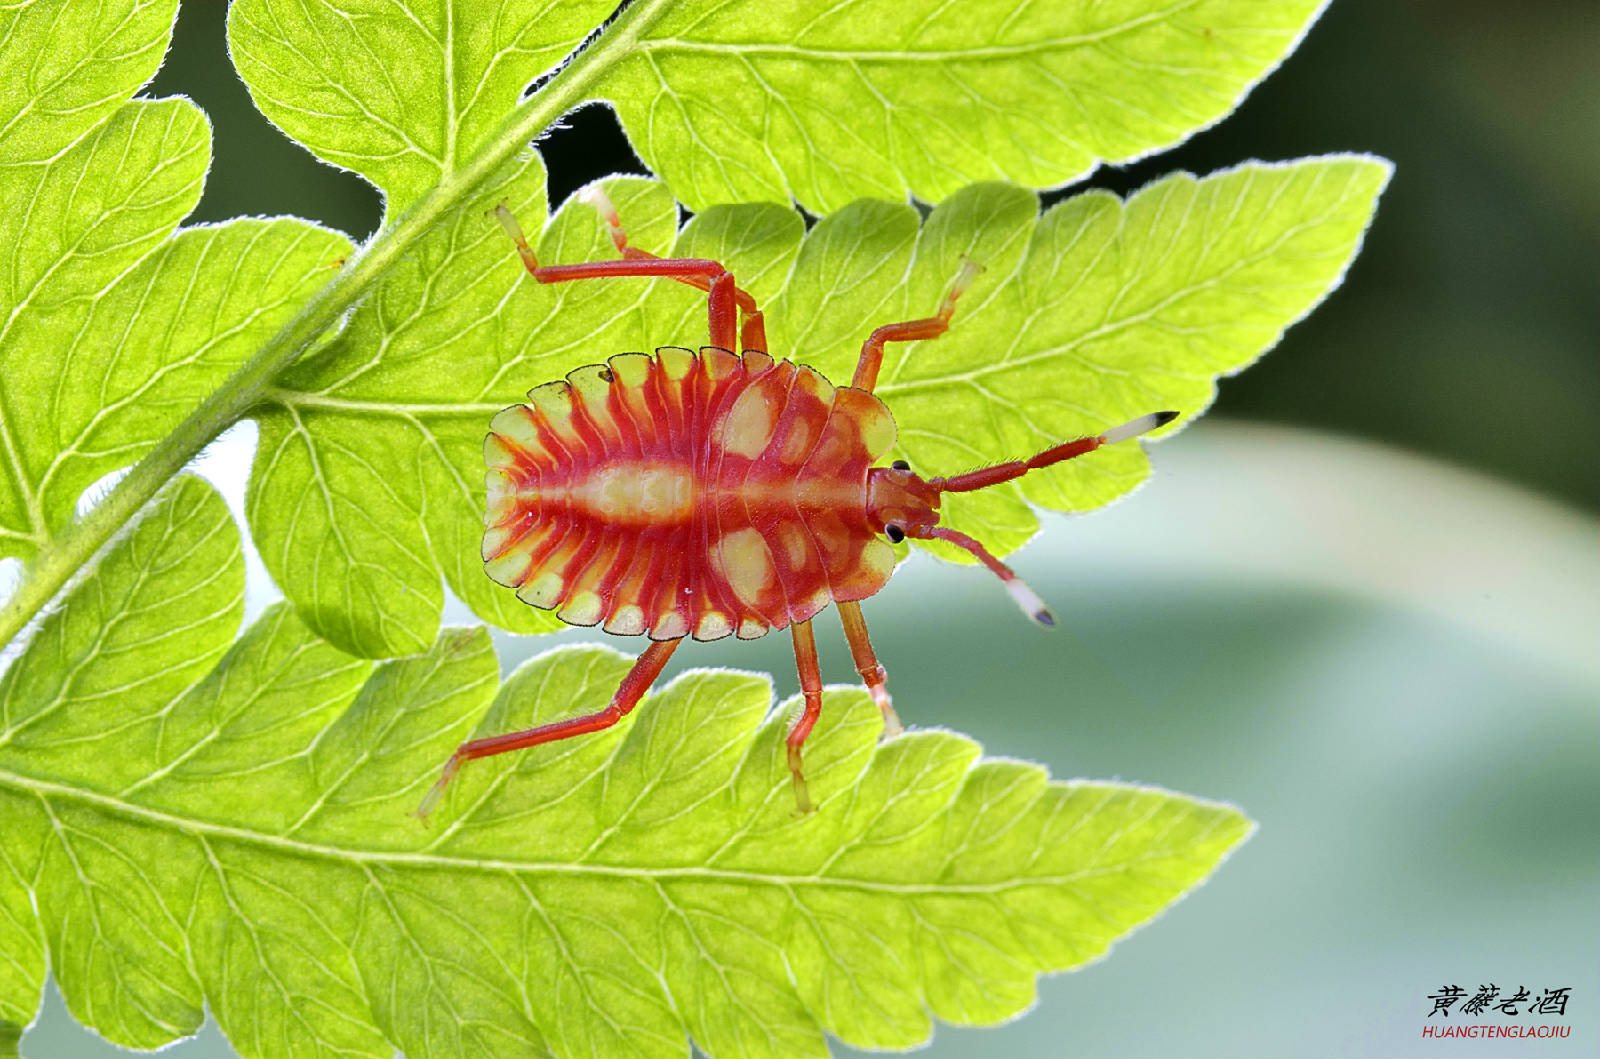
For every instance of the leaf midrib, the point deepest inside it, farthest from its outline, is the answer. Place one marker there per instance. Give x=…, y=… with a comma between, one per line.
x=72, y=550
x=744, y=49
x=46, y=790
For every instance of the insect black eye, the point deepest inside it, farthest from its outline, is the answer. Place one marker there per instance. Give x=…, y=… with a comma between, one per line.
x=894, y=533
x=900, y=465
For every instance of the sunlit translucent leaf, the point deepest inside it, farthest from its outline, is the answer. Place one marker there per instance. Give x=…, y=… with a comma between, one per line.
x=402, y=93
x=158, y=614
x=751, y=101
x=368, y=481
x=201, y=823
x=111, y=328
x=1088, y=316
x=66, y=67
x=825, y=103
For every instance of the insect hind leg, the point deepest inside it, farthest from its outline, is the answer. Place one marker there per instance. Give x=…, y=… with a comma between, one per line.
x=805, y=662
x=627, y=696
x=855, y=631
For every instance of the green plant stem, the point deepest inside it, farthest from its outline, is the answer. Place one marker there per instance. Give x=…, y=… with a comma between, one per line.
x=48, y=573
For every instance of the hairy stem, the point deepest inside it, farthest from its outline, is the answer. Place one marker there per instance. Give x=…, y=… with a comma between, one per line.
x=48, y=573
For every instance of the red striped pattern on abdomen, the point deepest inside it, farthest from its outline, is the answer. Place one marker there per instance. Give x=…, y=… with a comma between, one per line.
x=686, y=495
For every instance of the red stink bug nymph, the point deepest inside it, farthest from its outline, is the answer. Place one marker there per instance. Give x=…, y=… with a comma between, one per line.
x=716, y=492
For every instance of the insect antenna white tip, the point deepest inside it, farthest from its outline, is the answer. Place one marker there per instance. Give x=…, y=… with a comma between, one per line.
x=1025, y=597
x=1142, y=425
x=1029, y=601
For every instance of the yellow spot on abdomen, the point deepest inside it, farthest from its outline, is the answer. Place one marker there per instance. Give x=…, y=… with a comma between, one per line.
x=627, y=621
x=747, y=428
x=797, y=445
x=794, y=545
x=543, y=591
x=584, y=608
x=713, y=626
x=742, y=559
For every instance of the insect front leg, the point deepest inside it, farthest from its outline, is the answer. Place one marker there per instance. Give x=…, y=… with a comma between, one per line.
x=628, y=694
x=724, y=312
x=728, y=302
x=805, y=661
x=855, y=630
x=752, y=334
x=866, y=376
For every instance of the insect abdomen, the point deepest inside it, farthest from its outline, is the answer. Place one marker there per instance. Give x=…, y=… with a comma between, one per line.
x=682, y=494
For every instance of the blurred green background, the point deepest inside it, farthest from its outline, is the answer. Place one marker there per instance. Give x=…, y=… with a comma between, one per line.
x=1389, y=661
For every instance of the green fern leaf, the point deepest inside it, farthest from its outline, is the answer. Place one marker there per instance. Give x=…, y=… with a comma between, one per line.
x=113, y=328
x=368, y=480
x=201, y=823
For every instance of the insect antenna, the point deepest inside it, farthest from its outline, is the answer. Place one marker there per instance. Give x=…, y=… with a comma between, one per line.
x=1025, y=597
x=983, y=477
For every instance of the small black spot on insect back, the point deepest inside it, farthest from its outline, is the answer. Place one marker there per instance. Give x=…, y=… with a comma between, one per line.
x=900, y=465
x=894, y=533
x=607, y=375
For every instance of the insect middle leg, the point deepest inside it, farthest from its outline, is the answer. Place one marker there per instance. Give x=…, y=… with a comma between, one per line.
x=855, y=630
x=627, y=696
x=805, y=661
x=727, y=300
x=866, y=376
